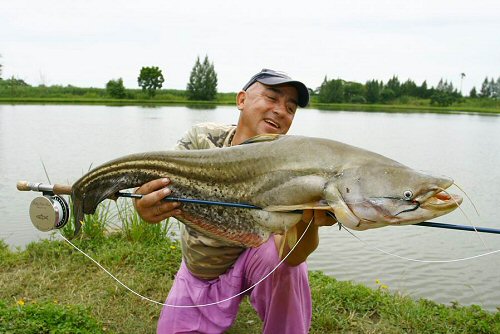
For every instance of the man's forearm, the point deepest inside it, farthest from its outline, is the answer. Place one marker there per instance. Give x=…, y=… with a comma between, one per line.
x=306, y=246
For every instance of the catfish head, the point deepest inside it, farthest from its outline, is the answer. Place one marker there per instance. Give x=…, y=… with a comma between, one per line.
x=393, y=194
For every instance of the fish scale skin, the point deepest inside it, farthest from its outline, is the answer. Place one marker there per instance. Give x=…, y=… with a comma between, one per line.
x=287, y=171
x=205, y=174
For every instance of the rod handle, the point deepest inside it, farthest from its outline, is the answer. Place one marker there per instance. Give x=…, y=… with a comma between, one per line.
x=23, y=186
x=62, y=189
x=58, y=189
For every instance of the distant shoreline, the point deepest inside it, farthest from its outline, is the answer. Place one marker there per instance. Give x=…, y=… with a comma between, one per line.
x=212, y=104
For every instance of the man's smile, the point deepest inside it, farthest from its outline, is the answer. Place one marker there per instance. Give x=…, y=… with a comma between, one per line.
x=272, y=123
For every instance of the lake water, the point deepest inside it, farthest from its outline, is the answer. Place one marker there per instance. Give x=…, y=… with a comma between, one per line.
x=68, y=139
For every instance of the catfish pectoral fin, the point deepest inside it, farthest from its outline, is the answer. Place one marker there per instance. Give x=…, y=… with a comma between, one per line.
x=298, y=207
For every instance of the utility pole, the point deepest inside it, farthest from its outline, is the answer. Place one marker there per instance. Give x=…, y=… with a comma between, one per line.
x=462, y=76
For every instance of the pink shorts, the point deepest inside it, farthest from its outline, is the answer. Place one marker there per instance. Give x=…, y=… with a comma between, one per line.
x=282, y=301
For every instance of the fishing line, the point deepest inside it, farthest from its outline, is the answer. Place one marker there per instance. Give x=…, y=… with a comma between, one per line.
x=418, y=260
x=470, y=200
x=436, y=261
x=45, y=170
x=465, y=214
x=191, y=306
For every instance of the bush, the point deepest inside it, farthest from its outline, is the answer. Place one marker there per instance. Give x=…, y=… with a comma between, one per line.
x=115, y=89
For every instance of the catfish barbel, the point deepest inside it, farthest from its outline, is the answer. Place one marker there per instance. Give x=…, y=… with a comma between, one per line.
x=280, y=174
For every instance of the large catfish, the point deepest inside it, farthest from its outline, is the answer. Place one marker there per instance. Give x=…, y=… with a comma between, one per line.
x=280, y=174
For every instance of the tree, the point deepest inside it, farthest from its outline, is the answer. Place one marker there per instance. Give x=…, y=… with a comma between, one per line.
x=115, y=89
x=445, y=94
x=331, y=91
x=444, y=86
x=442, y=98
x=202, y=83
x=373, y=89
x=473, y=93
x=485, y=89
x=495, y=91
x=423, y=92
x=387, y=94
x=394, y=85
x=354, y=92
x=0, y=69
x=150, y=79
x=409, y=88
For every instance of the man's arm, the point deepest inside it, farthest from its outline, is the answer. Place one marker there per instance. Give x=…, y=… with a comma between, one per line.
x=150, y=207
x=310, y=240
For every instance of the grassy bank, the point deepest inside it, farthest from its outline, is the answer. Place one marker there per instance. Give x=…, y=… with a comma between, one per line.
x=98, y=96
x=49, y=287
x=226, y=101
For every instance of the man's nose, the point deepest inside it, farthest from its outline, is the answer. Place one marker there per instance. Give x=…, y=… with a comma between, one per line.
x=280, y=108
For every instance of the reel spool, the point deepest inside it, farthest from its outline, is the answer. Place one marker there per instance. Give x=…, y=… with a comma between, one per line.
x=49, y=212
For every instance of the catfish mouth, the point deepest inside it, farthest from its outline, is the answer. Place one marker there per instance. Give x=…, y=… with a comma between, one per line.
x=442, y=201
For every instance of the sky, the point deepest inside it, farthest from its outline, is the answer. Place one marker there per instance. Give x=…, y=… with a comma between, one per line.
x=86, y=43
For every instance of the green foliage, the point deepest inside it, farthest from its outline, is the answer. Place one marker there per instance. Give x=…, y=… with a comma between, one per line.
x=150, y=79
x=409, y=88
x=387, y=95
x=331, y=91
x=137, y=229
x=445, y=94
x=394, y=85
x=373, y=89
x=485, y=89
x=423, y=91
x=490, y=88
x=442, y=98
x=473, y=93
x=46, y=317
x=67, y=92
x=116, y=89
x=202, y=85
x=13, y=82
x=354, y=92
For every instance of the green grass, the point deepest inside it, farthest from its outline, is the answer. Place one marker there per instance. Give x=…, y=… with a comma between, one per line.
x=48, y=287
x=78, y=95
x=47, y=317
x=411, y=108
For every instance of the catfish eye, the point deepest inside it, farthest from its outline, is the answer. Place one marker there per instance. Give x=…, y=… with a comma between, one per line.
x=407, y=195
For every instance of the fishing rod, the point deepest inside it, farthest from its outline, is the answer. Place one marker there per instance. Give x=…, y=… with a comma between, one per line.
x=51, y=211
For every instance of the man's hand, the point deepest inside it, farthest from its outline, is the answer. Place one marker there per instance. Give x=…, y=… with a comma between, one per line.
x=150, y=207
x=310, y=240
x=320, y=218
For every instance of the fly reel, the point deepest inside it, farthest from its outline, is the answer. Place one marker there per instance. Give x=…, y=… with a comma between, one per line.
x=49, y=212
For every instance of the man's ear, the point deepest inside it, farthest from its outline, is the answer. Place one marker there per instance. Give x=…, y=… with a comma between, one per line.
x=240, y=99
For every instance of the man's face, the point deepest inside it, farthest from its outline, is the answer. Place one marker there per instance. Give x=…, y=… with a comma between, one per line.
x=266, y=109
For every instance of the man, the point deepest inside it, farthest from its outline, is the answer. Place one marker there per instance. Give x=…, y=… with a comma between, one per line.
x=211, y=270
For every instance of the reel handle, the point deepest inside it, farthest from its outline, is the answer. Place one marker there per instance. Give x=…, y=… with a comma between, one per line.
x=58, y=189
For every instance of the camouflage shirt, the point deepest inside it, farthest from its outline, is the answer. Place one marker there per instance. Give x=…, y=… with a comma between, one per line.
x=205, y=257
